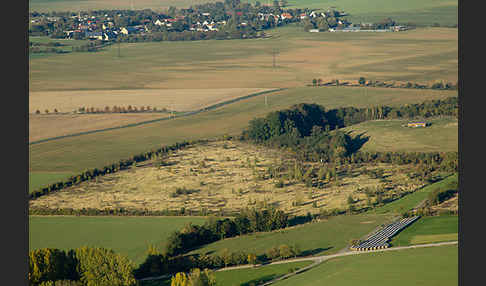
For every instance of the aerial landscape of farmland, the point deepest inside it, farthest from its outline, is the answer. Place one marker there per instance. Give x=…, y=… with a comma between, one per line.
x=228, y=142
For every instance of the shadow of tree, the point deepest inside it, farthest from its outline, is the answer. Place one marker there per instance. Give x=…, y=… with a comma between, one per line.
x=260, y=280
x=356, y=142
x=314, y=251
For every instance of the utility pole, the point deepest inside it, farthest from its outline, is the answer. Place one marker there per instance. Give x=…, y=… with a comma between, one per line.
x=274, y=54
x=118, y=48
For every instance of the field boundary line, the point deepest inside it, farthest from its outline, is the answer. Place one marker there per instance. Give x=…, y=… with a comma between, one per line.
x=188, y=113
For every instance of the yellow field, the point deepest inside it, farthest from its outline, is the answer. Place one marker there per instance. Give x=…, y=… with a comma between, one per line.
x=45, y=126
x=172, y=99
x=224, y=175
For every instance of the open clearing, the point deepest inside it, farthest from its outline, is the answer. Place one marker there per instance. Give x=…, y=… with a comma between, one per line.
x=129, y=236
x=171, y=99
x=423, y=55
x=320, y=238
x=421, y=266
x=429, y=230
x=229, y=176
x=441, y=135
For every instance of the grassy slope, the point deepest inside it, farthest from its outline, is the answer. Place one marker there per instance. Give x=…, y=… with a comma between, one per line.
x=129, y=236
x=39, y=179
x=95, y=150
x=433, y=228
x=258, y=275
x=421, y=266
x=391, y=136
x=412, y=200
x=320, y=238
x=243, y=277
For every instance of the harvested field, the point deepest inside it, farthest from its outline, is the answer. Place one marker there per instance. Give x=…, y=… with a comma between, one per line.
x=171, y=99
x=423, y=55
x=230, y=176
x=45, y=126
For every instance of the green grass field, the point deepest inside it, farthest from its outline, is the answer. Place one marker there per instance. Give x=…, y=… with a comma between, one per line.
x=412, y=200
x=38, y=179
x=429, y=230
x=244, y=277
x=424, y=12
x=324, y=237
x=129, y=236
x=68, y=45
x=384, y=134
x=422, y=266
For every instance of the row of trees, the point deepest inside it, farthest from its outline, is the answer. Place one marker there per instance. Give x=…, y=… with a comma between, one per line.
x=157, y=264
x=126, y=212
x=376, y=83
x=248, y=221
x=121, y=109
x=80, y=266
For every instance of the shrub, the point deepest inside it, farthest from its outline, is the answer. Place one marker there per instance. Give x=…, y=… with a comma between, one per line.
x=279, y=184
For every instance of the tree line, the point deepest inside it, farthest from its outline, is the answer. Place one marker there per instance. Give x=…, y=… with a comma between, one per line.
x=441, y=85
x=157, y=264
x=81, y=266
x=247, y=221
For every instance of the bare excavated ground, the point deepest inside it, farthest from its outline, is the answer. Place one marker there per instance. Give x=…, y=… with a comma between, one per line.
x=229, y=176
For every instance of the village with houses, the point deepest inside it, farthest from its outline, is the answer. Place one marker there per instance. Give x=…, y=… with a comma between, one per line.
x=231, y=19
